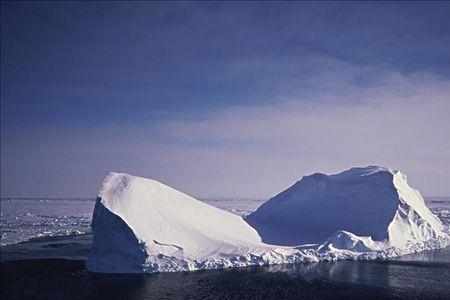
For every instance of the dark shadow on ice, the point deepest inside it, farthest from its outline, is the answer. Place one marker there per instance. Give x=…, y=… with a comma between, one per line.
x=317, y=206
x=114, y=244
x=280, y=235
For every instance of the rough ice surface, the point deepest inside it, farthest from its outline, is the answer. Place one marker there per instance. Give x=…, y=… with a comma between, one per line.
x=141, y=225
x=371, y=201
x=24, y=219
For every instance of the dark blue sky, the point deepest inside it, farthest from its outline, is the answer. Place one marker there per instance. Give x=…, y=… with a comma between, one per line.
x=156, y=89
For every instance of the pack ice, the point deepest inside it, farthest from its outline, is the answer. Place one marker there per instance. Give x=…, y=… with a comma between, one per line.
x=142, y=225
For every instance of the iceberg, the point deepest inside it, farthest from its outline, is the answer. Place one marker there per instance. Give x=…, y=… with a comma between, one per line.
x=371, y=201
x=141, y=225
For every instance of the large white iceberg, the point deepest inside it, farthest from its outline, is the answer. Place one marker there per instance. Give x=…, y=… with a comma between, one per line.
x=141, y=225
x=371, y=201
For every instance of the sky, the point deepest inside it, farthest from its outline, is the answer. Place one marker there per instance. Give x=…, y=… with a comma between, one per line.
x=221, y=99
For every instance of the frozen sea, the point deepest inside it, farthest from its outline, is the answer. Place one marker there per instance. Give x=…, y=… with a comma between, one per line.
x=26, y=218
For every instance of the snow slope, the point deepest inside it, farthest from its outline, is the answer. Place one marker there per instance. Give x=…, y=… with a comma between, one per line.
x=141, y=225
x=136, y=218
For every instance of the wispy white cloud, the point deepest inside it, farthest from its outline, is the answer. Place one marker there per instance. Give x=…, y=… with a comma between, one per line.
x=396, y=120
x=338, y=116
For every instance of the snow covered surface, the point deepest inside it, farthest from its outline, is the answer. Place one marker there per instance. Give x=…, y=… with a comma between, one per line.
x=141, y=225
x=371, y=201
x=24, y=219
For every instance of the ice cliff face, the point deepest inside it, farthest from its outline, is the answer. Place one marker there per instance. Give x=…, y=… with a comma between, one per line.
x=372, y=201
x=141, y=225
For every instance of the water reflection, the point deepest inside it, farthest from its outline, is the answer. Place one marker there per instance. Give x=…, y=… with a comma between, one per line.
x=428, y=275
x=426, y=271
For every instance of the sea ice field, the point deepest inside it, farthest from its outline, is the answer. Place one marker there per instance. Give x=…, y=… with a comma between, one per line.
x=23, y=219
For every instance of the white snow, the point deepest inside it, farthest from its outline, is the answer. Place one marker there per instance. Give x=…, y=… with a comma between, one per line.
x=371, y=201
x=152, y=220
x=141, y=225
x=413, y=219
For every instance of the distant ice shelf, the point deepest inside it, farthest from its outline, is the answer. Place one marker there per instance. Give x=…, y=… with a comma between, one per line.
x=142, y=225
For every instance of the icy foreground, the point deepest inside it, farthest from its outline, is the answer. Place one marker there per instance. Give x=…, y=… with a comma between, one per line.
x=141, y=225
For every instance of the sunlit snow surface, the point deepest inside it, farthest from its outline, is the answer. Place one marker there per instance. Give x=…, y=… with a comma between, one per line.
x=23, y=219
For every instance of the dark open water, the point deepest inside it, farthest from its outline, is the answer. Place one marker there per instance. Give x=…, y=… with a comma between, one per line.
x=53, y=268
